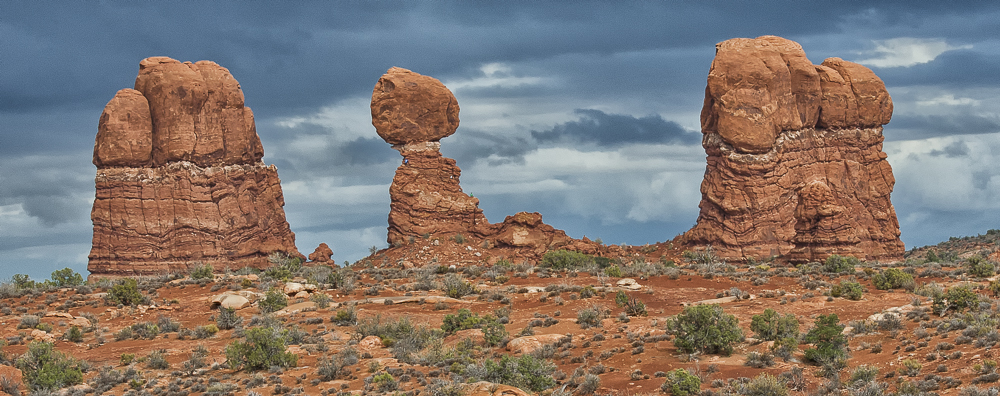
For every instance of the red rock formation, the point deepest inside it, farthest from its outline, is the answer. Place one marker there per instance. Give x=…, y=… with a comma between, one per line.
x=180, y=178
x=795, y=161
x=413, y=112
x=322, y=254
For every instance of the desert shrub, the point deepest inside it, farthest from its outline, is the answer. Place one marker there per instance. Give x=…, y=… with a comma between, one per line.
x=283, y=266
x=588, y=292
x=785, y=347
x=261, y=348
x=911, y=367
x=830, y=343
x=863, y=374
x=591, y=316
x=389, y=331
x=762, y=385
x=705, y=328
x=204, y=271
x=771, y=326
x=893, y=278
x=456, y=287
x=126, y=292
x=621, y=298
x=848, y=289
x=157, y=360
x=66, y=278
x=345, y=317
x=567, y=259
x=43, y=367
x=840, y=264
x=635, y=307
x=759, y=360
x=29, y=322
x=167, y=325
x=493, y=330
x=227, y=318
x=525, y=372
x=145, y=330
x=274, y=300
x=588, y=385
x=74, y=334
x=613, y=271
x=322, y=300
x=681, y=383
x=958, y=299
x=979, y=266
x=108, y=377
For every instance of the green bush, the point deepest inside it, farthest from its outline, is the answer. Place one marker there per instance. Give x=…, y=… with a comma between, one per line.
x=43, y=367
x=848, y=289
x=66, y=278
x=911, y=367
x=591, y=316
x=771, y=326
x=456, y=287
x=863, y=374
x=493, y=331
x=74, y=334
x=262, y=348
x=384, y=381
x=621, y=298
x=830, y=343
x=157, y=360
x=227, y=318
x=567, y=259
x=126, y=292
x=979, y=266
x=958, y=298
x=283, y=266
x=681, y=383
x=274, y=300
x=705, y=328
x=345, y=317
x=893, y=278
x=204, y=271
x=764, y=385
x=840, y=264
x=613, y=271
x=526, y=372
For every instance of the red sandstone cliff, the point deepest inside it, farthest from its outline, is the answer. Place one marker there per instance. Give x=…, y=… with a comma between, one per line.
x=180, y=178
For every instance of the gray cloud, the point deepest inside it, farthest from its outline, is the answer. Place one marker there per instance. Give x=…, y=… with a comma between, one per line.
x=604, y=129
x=953, y=150
x=912, y=127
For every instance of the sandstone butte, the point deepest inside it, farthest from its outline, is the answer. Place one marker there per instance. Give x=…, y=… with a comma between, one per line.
x=413, y=113
x=180, y=179
x=795, y=162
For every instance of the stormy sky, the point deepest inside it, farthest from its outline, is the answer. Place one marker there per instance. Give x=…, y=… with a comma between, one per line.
x=584, y=111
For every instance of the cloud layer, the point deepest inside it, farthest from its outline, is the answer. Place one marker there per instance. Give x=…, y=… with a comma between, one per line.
x=587, y=113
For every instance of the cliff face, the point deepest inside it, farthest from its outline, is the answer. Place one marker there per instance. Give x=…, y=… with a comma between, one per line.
x=795, y=162
x=180, y=178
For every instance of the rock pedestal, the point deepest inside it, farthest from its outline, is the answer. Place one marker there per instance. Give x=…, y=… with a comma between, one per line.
x=795, y=161
x=413, y=113
x=180, y=179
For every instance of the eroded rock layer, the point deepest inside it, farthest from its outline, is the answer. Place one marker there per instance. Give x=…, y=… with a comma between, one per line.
x=180, y=178
x=795, y=161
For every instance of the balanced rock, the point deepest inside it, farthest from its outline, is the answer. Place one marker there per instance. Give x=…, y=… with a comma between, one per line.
x=795, y=161
x=322, y=254
x=411, y=108
x=180, y=178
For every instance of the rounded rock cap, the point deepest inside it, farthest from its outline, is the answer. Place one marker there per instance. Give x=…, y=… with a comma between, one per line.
x=408, y=107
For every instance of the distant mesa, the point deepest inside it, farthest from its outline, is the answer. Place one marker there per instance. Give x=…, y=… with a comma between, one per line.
x=413, y=113
x=180, y=179
x=795, y=161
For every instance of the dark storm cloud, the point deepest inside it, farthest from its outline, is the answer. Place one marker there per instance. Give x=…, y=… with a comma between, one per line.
x=52, y=189
x=913, y=127
x=595, y=126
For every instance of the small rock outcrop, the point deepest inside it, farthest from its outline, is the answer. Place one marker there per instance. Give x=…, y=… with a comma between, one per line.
x=180, y=178
x=413, y=113
x=322, y=254
x=795, y=162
